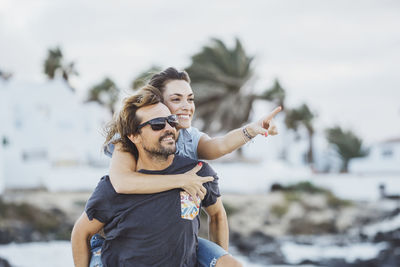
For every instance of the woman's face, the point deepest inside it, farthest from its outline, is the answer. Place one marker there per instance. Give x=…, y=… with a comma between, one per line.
x=179, y=98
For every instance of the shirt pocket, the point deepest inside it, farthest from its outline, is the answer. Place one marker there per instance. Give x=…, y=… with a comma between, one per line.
x=189, y=207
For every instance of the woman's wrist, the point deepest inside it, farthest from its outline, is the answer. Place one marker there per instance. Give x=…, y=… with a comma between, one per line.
x=249, y=131
x=179, y=181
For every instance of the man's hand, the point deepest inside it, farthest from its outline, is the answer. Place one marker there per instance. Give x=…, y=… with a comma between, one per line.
x=264, y=126
x=193, y=184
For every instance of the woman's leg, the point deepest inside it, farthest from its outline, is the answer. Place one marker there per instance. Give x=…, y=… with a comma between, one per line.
x=95, y=244
x=210, y=254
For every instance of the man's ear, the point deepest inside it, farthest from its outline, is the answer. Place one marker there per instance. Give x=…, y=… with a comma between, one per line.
x=135, y=138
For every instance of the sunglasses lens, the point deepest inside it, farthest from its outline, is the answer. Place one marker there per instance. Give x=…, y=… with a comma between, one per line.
x=172, y=120
x=173, y=123
x=158, y=126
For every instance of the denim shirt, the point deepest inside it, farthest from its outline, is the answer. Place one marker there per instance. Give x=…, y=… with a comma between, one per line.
x=186, y=145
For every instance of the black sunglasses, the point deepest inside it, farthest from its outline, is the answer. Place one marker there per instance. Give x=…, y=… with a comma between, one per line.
x=158, y=124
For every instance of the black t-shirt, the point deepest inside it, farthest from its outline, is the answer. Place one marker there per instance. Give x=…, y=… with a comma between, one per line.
x=151, y=229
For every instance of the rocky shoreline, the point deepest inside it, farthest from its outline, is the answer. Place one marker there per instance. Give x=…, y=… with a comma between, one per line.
x=313, y=220
x=262, y=227
x=23, y=222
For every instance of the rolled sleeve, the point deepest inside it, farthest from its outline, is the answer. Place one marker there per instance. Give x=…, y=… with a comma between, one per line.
x=212, y=187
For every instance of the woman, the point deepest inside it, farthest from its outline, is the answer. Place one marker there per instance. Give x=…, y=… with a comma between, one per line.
x=179, y=98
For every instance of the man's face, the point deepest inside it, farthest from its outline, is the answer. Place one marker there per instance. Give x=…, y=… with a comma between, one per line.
x=159, y=143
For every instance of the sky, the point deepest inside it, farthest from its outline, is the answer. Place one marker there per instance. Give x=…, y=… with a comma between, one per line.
x=340, y=57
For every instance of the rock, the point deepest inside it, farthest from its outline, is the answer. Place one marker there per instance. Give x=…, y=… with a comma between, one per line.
x=26, y=223
x=346, y=218
x=322, y=217
x=4, y=263
x=295, y=211
x=258, y=247
x=314, y=201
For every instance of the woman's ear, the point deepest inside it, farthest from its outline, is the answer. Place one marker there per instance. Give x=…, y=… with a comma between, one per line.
x=135, y=138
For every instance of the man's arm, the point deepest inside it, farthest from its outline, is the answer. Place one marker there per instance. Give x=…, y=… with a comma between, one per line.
x=81, y=233
x=218, y=230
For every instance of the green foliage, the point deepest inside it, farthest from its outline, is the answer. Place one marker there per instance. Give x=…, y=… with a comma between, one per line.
x=295, y=192
x=335, y=202
x=346, y=144
x=221, y=79
x=306, y=187
x=275, y=94
x=292, y=196
x=54, y=64
x=302, y=116
x=142, y=79
x=5, y=142
x=280, y=210
x=105, y=93
x=219, y=65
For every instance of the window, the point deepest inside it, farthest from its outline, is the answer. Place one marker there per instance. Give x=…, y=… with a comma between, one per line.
x=387, y=153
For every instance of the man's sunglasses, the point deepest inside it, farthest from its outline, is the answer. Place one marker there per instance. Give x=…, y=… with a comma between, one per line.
x=158, y=124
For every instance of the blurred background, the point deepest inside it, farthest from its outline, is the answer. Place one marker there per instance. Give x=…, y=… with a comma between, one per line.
x=324, y=192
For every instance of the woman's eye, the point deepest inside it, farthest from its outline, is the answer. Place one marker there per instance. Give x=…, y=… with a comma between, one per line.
x=191, y=99
x=175, y=99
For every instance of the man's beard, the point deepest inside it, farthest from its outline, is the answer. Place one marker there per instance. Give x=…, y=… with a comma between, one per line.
x=162, y=152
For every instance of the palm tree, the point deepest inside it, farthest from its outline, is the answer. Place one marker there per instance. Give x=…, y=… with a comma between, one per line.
x=302, y=116
x=222, y=80
x=276, y=94
x=142, y=79
x=346, y=144
x=105, y=93
x=54, y=64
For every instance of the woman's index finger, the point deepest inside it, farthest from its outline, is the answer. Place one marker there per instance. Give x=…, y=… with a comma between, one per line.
x=274, y=112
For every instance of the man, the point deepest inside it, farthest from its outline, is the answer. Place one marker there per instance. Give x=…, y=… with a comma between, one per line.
x=149, y=229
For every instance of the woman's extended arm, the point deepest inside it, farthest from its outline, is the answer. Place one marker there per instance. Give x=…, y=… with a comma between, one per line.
x=213, y=148
x=126, y=180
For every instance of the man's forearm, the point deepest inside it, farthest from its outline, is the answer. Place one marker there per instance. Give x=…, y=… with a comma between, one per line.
x=80, y=252
x=218, y=229
x=82, y=231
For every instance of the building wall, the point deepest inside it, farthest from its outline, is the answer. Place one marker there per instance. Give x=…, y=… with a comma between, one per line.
x=383, y=158
x=47, y=127
x=1, y=170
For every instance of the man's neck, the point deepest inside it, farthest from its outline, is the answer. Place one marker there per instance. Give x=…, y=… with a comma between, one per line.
x=150, y=162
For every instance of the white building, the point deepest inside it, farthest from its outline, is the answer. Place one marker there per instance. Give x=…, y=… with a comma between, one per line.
x=3, y=123
x=45, y=126
x=1, y=170
x=383, y=157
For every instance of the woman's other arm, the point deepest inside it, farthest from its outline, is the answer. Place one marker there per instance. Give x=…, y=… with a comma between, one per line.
x=213, y=148
x=126, y=180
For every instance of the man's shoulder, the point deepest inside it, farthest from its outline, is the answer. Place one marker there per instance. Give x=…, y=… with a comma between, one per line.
x=104, y=187
x=179, y=159
x=182, y=164
x=185, y=163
